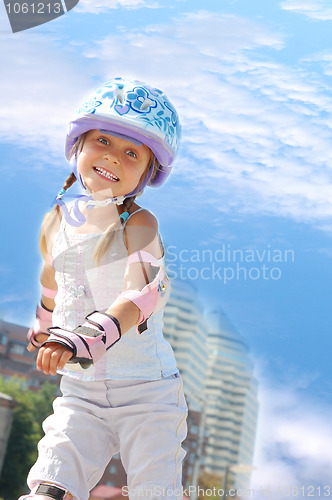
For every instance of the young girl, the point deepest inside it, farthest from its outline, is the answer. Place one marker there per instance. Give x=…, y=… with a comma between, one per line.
x=104, y=288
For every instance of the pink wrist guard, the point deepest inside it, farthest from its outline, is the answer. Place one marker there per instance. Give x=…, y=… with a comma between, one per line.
x=90, y=341
x=42, y=323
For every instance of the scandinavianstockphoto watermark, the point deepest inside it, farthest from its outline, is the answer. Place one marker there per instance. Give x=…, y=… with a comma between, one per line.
x=26, y=14
x=275, y=491
x=228, y=264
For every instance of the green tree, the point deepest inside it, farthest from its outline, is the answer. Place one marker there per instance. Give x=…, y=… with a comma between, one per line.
x=32, y=409
x=208, y=482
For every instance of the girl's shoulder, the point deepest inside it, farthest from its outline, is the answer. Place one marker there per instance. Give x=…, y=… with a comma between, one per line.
x=141, y=217
x=141, y=232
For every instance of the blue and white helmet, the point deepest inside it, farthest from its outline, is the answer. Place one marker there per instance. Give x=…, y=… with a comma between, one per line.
x=131, y=109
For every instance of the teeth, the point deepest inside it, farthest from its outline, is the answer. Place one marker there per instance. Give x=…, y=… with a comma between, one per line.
x=106, y=174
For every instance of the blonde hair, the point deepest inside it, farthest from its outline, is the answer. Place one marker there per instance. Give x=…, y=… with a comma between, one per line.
x=54, y=214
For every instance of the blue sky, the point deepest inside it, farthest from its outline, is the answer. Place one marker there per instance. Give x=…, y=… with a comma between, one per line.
x=252, y=83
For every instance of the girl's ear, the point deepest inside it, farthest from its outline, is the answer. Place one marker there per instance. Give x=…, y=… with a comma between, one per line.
x=147, y=174
x=155, y=169
x=77, y=147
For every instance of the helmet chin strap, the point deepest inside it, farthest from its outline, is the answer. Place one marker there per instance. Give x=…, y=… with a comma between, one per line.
x=104, y=203
x=78, y=219
x=74, y=215
x=90, y=203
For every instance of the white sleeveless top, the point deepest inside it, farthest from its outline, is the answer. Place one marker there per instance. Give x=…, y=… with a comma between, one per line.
x=83, y=287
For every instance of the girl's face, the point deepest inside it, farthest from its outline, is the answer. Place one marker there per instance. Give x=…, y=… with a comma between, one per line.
x=110, y=164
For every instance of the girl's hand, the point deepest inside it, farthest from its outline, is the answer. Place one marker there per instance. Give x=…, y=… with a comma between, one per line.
x=51, y=357
x=41, y=337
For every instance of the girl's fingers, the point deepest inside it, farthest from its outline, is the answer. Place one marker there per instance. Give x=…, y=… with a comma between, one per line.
x=54, y=360
x=44, y=358
x=51, y=357
x=31, y=347
x=39, y=361
x=66, y=355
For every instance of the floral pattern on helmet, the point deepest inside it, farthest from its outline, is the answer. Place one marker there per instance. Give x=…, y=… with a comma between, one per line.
x=135, y=101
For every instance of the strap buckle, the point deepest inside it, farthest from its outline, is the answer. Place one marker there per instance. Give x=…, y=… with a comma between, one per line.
x=51, y=491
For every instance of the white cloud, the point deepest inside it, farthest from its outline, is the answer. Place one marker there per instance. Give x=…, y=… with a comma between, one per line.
x=323, y=59
x=315, y=9
x=39, y=93
x=257, y=133
x=214, y=34
x=293, y=445
x=97, y=6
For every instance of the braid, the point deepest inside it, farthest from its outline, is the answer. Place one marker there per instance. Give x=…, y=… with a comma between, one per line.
x=127, y=205
x=67, y=184
x=53, y=216
x=69, y=181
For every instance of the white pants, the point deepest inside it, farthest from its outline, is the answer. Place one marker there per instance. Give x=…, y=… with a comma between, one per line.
x=92, y=421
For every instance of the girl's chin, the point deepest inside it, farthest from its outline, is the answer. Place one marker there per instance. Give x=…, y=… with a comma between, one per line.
x=101, y=193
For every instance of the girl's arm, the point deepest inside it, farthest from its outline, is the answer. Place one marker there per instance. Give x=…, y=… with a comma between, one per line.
x=49, y=228
x=36, y=334
x=141, y=234
x=45, y=309
x=47, y=280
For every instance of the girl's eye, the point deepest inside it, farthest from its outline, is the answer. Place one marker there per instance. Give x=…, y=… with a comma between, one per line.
x=131, y=153
x=103, y=140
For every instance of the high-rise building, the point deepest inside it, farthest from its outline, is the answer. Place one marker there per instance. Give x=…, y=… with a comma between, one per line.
x=218, y=381
x=185, y=329
x=16, y=360
x=232, y=406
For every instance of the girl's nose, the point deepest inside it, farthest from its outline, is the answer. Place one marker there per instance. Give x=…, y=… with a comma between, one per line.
x=111, y=156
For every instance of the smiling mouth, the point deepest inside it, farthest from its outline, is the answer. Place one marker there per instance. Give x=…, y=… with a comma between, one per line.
x=105, y=173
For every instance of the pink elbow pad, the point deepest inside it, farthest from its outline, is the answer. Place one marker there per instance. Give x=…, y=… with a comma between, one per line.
x=48, y=292
x=146, y=299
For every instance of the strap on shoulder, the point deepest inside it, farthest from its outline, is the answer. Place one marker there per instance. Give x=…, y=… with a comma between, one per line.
x=133, y=213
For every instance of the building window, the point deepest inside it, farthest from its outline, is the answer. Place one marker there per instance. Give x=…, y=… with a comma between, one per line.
x=16, y=348
x=113, y=469
x=194, y=429
x=3, y=339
